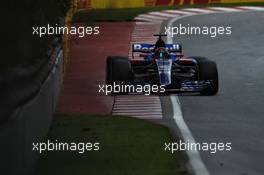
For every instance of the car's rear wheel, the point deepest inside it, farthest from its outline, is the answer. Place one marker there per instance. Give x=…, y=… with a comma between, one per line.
x=207, y=70
x=118, y=70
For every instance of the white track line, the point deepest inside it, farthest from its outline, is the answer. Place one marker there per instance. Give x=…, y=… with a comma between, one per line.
x=252, y=8
x=143, y=23
x=153, y=17
x=179, y=12
x=195, y=160
x=198, y=10
x=119, y=108
x=168, y=15
x=148, y=20
x=225, y=9
x=194, y=157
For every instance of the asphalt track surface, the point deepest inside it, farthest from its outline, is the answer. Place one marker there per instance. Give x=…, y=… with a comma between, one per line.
x=236, y=113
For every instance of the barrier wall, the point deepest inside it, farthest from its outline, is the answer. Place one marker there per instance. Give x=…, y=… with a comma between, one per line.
x=30, y=119
x=102, y=4
x=30, y=123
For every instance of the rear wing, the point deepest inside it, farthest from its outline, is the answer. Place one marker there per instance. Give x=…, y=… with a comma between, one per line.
x=146, y=48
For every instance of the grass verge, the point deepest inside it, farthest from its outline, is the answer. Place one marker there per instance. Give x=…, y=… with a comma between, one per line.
x=128, y=146
x=128, y=14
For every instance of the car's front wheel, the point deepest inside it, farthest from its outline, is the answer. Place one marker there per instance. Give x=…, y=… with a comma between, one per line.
x=207, y=70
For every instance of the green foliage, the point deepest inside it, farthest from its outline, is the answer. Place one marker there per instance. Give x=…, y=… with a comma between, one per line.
x=128, y=146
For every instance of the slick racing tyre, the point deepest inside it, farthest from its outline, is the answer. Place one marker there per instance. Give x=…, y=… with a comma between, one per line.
x=207, y=70
x=118, y=70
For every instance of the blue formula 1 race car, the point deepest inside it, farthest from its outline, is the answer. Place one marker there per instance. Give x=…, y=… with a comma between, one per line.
x=164, y=64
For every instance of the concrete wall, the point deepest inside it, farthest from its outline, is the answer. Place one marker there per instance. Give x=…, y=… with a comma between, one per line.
x=29, y=123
